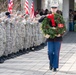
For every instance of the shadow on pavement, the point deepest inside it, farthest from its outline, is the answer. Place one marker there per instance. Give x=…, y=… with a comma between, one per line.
x=70, y=37
x=68, y=72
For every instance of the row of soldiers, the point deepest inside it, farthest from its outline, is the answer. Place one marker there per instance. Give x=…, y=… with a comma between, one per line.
x=18, y=32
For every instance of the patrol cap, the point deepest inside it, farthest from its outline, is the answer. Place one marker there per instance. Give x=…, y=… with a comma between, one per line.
x=7, y=13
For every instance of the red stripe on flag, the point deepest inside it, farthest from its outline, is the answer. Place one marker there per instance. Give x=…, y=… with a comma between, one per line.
x=32, y=10
x=10, y=6
x=26, y=7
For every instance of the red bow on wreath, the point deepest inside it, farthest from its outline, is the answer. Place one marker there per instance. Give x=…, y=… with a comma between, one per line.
x=51, y=17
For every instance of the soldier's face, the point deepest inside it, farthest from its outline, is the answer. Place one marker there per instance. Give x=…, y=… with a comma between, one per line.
x=54, y=9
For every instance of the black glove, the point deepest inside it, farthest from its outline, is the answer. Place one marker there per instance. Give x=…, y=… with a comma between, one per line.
x=41, y=19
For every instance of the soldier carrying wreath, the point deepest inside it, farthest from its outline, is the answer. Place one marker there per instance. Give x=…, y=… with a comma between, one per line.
x=53, y=27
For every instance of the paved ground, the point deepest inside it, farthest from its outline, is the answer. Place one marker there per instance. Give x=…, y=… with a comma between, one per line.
x=36, y=63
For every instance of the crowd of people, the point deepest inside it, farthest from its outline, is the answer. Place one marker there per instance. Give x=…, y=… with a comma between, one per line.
x=18, y=34
x=72, y=19
x=45, y=12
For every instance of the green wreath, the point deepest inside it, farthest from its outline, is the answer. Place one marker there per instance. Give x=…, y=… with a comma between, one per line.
x=53, y=31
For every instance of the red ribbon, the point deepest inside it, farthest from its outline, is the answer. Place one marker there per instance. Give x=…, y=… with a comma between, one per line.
x=51, y=17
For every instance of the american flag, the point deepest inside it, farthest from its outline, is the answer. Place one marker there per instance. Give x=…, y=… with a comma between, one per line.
x=10, y=5
x=32, y=10
x=26, y=7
